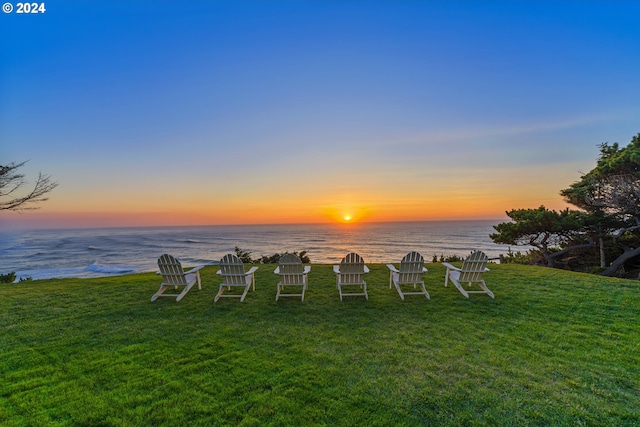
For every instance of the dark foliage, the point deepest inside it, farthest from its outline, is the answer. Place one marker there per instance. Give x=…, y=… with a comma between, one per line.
x=8, y=278
x=604, y=236
x=245, y=256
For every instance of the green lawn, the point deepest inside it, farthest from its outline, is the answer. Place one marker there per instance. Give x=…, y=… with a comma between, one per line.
x=553, y=348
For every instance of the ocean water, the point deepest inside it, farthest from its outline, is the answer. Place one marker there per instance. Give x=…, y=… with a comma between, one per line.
x=81, y=253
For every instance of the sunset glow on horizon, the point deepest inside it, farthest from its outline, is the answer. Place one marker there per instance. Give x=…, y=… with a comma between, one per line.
x=312, y=112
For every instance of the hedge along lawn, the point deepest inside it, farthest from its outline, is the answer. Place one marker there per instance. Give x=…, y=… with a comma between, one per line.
x=553, y=348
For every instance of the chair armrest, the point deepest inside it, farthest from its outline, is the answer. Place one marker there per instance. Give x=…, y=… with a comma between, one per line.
x=336, y=269
x=392, y=268
x=366, y=269
x=451, y=267
x=194, y=269
x=307, y=269
x=251, y=271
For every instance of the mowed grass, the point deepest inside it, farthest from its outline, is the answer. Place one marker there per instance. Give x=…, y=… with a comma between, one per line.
x=555, y=348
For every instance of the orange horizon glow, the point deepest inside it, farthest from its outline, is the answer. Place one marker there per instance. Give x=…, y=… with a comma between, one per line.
x=259, y=207
x=46, y=219
x=115, y=221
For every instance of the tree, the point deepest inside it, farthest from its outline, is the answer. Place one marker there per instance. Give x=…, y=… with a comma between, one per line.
x=616, y=174
x=11, y=182
x=611, y=191
x=609, y=197
x=244, y=256
x=546, y=230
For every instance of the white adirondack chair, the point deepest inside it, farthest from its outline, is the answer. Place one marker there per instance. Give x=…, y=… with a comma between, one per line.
x=350, y=273
x=471, y=272
x=173, y=276
x=292, y=274
x=410, y=273
x=233, y=275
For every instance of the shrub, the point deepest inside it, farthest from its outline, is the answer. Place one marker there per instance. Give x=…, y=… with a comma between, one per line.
x=275, y=258
x=245, y=256
x=8, y=278
x=448, y=258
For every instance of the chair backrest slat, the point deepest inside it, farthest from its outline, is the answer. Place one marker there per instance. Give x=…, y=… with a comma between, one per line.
x=291, y=270
x=352, y=269
x=232, y=270
x=171, y=270
x=411, y=268
x=473, y=267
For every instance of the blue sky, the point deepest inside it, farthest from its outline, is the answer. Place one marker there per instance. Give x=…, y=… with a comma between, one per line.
x=197, y=112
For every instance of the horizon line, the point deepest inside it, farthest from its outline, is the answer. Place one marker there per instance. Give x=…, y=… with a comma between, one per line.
x=339, y=224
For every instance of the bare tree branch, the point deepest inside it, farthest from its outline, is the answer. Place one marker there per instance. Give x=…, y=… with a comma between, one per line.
x=11, y=181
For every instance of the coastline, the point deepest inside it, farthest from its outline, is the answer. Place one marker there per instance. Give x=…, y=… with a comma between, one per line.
x=111, y=251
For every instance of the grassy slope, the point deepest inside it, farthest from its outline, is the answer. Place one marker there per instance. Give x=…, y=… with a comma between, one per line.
x=553, y=348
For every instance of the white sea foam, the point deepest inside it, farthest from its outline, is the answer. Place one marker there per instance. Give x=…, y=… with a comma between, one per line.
x=92, y=270
x=49, y=273
x=111, y=269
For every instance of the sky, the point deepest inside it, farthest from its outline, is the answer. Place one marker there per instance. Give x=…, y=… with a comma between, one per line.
x=257, y=112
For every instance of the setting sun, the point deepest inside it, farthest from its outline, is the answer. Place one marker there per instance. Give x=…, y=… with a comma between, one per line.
x=347, y=217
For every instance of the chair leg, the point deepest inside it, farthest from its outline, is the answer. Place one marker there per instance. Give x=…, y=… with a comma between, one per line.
x=399, y=291
x=461, y=288
x=184, y=292
x=219, y=294
x=426, y=294
x=160, y=291
x=244, y=294
x=486, y=290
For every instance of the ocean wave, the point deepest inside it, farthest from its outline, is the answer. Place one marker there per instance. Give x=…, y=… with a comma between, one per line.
x=51, y=273
x=92, y=270
x=110, y=269
x=198, y=261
